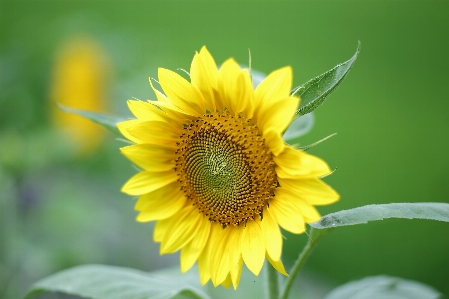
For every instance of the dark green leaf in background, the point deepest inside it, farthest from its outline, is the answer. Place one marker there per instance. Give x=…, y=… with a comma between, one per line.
x=315, y=91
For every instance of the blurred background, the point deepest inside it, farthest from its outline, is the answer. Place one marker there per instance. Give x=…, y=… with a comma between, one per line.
x=60, y=204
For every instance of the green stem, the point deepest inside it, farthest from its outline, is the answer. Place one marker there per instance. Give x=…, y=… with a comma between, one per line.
x=273, y=282
x=314, y=237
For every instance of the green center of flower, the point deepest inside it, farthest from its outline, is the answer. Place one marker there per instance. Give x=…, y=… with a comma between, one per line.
x=225, y=168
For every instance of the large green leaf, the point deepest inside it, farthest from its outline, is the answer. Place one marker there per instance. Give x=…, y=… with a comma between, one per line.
x=384, y=287
x=315, y=91
x=360, y=215
x=108, y=121
x=108, y=282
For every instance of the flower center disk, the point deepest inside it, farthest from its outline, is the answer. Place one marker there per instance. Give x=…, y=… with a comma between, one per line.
x=225, y=168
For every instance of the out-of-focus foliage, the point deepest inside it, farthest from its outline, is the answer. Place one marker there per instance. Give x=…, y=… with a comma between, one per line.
x=59, y=209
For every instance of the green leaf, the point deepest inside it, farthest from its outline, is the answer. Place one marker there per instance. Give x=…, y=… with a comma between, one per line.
x=108, y=121
x=385, y=287
x=108, y=282
x=299, y=127
x=315, y=91
x=361, y=215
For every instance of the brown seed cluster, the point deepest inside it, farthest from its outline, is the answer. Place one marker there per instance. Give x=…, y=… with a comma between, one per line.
x=225, y=168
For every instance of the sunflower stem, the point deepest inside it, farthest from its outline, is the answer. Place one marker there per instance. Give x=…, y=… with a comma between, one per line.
x=273, y=282
x=314, y=236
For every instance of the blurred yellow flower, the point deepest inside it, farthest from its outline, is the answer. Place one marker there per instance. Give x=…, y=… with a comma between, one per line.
x=79, y=81
x=216, y=174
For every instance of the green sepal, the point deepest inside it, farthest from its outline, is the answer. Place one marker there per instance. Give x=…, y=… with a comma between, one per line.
x=107, y=121
x=306, y=147
x=315, y=91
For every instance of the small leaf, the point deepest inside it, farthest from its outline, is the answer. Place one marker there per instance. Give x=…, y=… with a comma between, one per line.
x=108, y=121
x=315, y=91
x=108, y=282
x=361, y=215
x=376, y=287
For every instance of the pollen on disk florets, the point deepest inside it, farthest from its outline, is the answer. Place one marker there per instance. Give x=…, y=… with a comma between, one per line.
x=225, y=168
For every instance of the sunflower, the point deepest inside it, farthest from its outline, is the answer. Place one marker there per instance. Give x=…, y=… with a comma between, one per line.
x=216, y=174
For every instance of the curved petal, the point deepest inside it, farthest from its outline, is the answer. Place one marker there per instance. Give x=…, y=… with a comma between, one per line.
x=236, y=271
x=146, y=111
x=220, y=257
x=125, y=125
x=146, y=182
x=204, y=77
x=234, y=87
x=312, y=191
x=227, y=282
x=159, y=95
x=274, y=142
x=277, y=265
x=161, y=203
x=150, y=157
x=309, y=212
x=155, y=132
x=278, y=115
x=253, y=246
x=181, y=229
x=181, y=93
x=276, y=86
x=191, y=252
x=161, y=227
x=273, y=237
x=287, y=215
x=294, y=162
x=204, y=258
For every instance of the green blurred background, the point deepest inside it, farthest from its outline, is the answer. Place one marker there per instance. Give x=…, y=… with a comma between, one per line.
x=60, y=208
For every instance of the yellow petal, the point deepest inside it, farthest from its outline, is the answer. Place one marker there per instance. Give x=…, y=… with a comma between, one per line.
x=204, y=76
x=253, y=246
x=312, y=191
x=181, y=93
x=181, y=229
x=276, y=86
x=125, y=125
x=204, y=258
x=227, y=282
x=278, y=115
x=273, y=237
x=236, y=272
x=155, y=132
x=191, y=252
x=274, y=141
x=146, y=111
x=146, y=182
x=234, y=87
x=162, y=98
x=161, y=203
x=309, y=212
x=277, y=265
x=220, y=257
x=294, y=162
x=287, y=215
x=161, y=227
x=150, y=157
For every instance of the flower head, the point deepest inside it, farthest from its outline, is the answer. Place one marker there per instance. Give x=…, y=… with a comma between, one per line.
x=216, y=174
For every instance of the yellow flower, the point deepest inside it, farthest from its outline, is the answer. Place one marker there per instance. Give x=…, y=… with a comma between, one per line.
x=79, y=81
x=216, y=174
